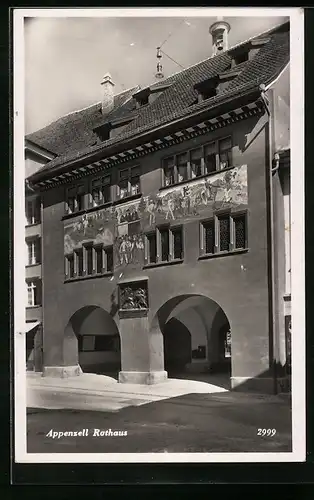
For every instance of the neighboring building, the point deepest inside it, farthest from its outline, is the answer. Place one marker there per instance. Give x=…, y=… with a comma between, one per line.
x=163, y=223
x=35, y=158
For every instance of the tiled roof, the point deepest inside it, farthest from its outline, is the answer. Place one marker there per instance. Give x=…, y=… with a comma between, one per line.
x=177, y=101
x=74, y=131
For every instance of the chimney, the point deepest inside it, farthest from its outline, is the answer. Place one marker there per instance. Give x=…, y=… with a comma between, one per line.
x=107, y=102
x=219, y=32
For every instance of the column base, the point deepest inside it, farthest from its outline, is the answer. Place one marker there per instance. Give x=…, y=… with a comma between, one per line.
x=144, y=378
x=262, y=385
x=62, y=371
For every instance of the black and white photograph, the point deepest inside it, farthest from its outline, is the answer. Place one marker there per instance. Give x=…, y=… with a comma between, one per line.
x=159, y=311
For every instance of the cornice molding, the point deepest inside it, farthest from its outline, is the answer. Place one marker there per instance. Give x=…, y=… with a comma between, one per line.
x=178, y=137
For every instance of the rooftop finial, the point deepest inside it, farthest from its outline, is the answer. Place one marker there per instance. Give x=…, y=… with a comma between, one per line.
x=219, y=31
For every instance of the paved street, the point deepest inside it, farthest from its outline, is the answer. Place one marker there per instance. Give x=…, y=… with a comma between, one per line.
x=218, y=422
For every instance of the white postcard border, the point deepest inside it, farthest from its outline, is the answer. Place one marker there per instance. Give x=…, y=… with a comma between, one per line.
x=298, y=453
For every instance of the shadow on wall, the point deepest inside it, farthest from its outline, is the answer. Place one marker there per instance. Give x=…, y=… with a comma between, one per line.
x=197, y=343
x=177, y=346
x=92, y=336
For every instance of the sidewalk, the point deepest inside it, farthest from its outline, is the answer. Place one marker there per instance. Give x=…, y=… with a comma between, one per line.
x=101, y=393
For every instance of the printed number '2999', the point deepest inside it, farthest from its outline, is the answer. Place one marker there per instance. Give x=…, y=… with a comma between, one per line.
x=266, y=432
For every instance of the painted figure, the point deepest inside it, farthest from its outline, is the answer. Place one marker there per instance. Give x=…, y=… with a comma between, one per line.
x=151, y=209
x=124, y=251
x=169, y=208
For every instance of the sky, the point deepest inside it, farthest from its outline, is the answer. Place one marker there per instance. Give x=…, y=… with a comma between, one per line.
x=66, y=58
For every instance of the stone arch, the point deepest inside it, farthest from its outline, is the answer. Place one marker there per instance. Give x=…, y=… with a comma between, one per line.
x=191, y=326
x=93, y=336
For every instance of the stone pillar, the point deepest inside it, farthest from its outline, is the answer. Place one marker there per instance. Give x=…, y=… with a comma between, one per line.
x=60, y=356
x=142, y=360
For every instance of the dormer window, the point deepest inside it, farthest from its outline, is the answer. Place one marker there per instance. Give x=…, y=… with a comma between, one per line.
x=240, y=56
x=207, y=88
x=143, y=101
x=142, y=97
x=149, y=95
x=109, y=130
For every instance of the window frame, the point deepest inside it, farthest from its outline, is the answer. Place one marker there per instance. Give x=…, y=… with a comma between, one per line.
x=35, y=203
x=232, y=233
x=68, y=257
x=128, y=179
x=95, y=247
x=202, y=147
x=76, y=208
x=111, y=338
x=157, y=233
x=34, y=284
x=101, y=188
x=35, y=245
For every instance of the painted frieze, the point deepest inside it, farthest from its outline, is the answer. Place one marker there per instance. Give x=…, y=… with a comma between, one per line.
x=123, y=225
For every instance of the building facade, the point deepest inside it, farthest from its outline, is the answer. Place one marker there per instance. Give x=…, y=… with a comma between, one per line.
x=35, y=158
x=165, y=246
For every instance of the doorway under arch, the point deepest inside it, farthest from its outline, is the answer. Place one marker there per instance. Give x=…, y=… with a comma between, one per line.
x=196, y=338
x=98, y=340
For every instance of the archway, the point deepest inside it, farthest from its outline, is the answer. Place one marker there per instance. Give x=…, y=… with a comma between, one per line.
x=97, y=340
x=196, y=338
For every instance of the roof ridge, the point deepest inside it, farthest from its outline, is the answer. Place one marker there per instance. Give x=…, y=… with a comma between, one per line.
x=269, y=31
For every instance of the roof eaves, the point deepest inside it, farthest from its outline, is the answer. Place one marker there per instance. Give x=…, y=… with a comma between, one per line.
x=176, y=118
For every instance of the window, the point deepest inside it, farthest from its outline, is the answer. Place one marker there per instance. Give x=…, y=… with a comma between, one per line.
x=109, y=259
x=79, y=261
x=129, y=182
x=88, y=343
x=34, y=293
x=196, y=162
x=88, y=261
x=204, y=160
x=164, y=245
x=209, y=237
x=33, y=211
x=105, y=343
x=70, y=269
x=240, y=58
x=224, y=233
x=177, y=243
x=240, y=231
x=225, y=148
x=208, y=93
x=169, y=173
x=152, y=247
x=33, y=248
x=182, y=166
x=210, y=158
x=99, y=259
x=100, y=191
x=75, y=199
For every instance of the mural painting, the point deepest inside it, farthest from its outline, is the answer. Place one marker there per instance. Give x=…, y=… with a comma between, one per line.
x=129, y=241
x=123, y=225
x=225, y=189
x=97, y=227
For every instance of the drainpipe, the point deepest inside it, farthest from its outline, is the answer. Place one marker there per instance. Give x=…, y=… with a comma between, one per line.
x=272, y=171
